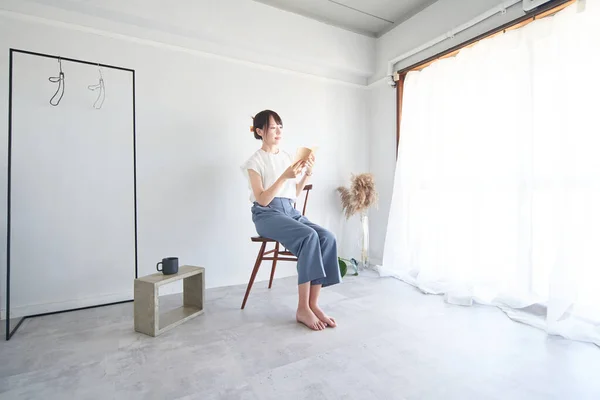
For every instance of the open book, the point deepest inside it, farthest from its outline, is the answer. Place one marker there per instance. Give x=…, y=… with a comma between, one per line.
x=303, y=153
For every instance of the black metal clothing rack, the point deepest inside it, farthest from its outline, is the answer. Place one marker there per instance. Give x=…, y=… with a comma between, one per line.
x=10, y=333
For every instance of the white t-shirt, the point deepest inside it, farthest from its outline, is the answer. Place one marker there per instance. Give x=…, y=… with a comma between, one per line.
x=270, y=167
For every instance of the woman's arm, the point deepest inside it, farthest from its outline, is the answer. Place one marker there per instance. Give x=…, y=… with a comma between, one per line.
x=262, y=196
x=304, y=181
x=265, y=196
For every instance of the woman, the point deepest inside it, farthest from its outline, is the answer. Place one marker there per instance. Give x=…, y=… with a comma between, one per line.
x=272, y=176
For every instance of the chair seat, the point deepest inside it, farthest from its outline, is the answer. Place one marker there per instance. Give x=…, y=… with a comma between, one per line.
x=260, y=239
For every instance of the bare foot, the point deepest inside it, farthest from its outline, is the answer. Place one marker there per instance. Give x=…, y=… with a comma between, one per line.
x=308, y=318
x=327, y=320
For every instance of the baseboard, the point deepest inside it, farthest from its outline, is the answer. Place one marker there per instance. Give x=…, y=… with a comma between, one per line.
x=34, y=309
x=375, y=261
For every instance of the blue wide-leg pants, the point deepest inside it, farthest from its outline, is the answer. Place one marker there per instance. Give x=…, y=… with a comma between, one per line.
x=314, y=246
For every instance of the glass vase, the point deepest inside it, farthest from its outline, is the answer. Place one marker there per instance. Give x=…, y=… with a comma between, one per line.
x=364, y=241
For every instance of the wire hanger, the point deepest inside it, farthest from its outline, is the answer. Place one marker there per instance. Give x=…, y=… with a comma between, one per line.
x=60, y=79
x=102, y=93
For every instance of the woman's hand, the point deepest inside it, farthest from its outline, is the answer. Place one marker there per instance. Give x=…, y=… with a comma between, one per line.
x=310, y=164
x=293, y=170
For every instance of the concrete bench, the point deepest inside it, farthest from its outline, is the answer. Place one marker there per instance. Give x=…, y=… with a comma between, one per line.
x=147, y=318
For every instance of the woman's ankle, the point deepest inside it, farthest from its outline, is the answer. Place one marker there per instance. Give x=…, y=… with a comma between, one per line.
x=303, y=307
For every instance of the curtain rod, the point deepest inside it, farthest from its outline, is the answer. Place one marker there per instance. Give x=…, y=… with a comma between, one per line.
x=501, y=8
x=540, y=10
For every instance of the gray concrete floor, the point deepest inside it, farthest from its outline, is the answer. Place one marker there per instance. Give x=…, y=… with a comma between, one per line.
x=392, y=343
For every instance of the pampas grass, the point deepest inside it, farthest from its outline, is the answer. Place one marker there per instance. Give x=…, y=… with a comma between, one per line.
x=360, y=196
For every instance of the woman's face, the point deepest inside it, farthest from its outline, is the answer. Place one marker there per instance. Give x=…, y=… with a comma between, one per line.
x=272, y=135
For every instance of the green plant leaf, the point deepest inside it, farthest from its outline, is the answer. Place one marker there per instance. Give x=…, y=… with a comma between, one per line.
x=343, y=267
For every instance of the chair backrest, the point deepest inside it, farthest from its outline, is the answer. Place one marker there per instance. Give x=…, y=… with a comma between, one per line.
x=306, y=189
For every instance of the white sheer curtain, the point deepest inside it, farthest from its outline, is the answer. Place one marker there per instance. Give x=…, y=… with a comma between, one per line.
x=497, y=188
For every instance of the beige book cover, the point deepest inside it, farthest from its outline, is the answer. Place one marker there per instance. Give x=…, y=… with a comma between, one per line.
x=303, y=153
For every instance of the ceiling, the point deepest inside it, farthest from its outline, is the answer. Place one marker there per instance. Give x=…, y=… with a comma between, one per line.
x=367, y=17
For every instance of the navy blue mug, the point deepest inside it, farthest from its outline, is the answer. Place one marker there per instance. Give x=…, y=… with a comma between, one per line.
x=170, y=265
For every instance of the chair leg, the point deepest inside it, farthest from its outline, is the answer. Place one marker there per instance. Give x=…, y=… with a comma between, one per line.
x=275, y=255
x=254, y=272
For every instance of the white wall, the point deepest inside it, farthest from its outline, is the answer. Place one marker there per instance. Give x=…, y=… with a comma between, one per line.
x=382, y=160
x=193, y=117
x=240, y=29
x=434, y=21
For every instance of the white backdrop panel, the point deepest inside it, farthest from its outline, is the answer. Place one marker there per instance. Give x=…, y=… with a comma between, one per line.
x=72, y=200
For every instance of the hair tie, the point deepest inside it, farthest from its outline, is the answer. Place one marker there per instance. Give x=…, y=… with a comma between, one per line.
x=251, y=128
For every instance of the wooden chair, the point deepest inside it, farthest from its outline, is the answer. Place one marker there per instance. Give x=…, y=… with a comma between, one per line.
x=277, y=255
